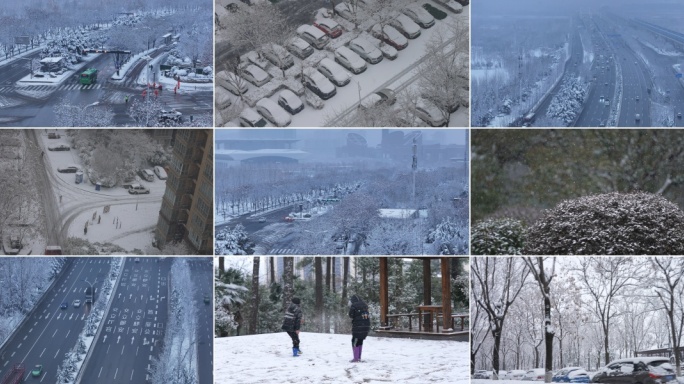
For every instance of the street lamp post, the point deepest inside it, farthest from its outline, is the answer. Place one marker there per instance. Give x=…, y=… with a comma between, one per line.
x=92, y=290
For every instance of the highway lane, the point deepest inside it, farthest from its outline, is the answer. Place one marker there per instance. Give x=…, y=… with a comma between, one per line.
x=50, y=331
x=15, y=70
x=134, y=327
x=201, y=270
x=603, y=82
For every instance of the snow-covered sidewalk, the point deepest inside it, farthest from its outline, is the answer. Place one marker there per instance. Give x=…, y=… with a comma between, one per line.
x=268, y=358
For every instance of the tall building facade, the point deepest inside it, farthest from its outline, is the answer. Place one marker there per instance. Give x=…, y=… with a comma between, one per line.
x=187, y=207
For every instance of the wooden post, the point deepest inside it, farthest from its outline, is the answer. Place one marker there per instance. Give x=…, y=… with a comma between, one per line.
x=446, y=293
x=384, y=295
x=427, y=296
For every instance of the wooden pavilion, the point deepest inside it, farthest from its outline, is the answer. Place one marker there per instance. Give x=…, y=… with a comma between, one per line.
x=433, y=321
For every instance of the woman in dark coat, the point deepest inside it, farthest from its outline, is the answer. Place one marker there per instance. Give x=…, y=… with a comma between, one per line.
x=358, y=312
x=291, y=324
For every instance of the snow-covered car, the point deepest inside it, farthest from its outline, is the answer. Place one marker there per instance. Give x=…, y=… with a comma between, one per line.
x=318, y=83
x=289, y=219
x=430, y=113
x=54, y=135
x=406, y=26
x=290, y=102
x=334, y=72
x=272, y=112
x=59, y=147
x=232, y=82
x=536, y=374
x=390, y=35
x=68, y=169
x=366, y=50
x=137, y=189
x=251, y=118
x=679, y=115
x=515, y=374
x=637, y=117
x=384, y=97
x=329, y=26
x=314, y=36
x=278, y=55
x=388, y=51
x=350, y=60
x=643, y=370
x=171, y=117
x=299, y=47
x=262, y=219
x=255, y=75
x=345, y=11
x=420, y=16
x=160, y=172
x=451, y=5
x=77, y=303
x=147, y=174
x=481, y=374
x=252, y=57
x=571, y=375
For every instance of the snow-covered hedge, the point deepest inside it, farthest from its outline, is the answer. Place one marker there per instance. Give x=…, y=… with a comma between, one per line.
x=498, y=237
x=609, y=224
x=568, y=102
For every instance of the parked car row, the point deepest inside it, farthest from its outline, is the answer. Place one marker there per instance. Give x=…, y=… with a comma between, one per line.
x=329, y=73
x=641, y=370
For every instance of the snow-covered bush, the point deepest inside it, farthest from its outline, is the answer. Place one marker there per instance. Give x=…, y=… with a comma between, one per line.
x=609, y=224
x=568, y=101
x=233, y=242
x=497, y=237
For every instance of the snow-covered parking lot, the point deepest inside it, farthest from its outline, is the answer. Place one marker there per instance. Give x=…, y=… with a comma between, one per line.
x=409, y=76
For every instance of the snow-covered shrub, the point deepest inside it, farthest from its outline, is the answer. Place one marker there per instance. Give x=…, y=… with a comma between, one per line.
x=497, y=237
x=234, y=242
x=609, y=224
x=568, y=101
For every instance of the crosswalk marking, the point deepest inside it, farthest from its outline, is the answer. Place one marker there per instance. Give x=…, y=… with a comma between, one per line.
x=283, y=251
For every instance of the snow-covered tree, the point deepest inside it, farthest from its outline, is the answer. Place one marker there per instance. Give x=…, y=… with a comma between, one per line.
x=499, y=282
x=544, y=277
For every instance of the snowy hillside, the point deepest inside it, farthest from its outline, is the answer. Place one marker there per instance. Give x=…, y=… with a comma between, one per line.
x=267, y=358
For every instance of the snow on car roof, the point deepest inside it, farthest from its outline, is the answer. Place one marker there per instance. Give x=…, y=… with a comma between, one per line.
x=329, y=23
x=290, y=97
x=336, y=69
x=310, y=29
x=363, y=43
x=393, y=34
x=256, y=72
x=420, y=12
x=299, y=43
x=642, y=359
x=355, y=59
x=250, y=114
x=370, y=100
x=321, y=81
x=408, y=24
x=280, y=115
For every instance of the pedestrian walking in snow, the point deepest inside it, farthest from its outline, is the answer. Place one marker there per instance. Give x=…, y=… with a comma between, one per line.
x=85, y=230
x=98, y=219
x=156, y=93
x=126, y=99
x=291, y=324
x=358, y=312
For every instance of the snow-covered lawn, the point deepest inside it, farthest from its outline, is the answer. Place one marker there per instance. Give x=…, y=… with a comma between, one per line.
x=268, y=358
x=489, y=381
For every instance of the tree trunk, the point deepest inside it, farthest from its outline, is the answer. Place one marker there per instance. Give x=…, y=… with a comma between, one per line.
x=495, y=352
x=326, y=314
x=273, y=275
x=288, y=277
x=222, y=265
x=318, y=309
x=548, y=334
x=255, y=297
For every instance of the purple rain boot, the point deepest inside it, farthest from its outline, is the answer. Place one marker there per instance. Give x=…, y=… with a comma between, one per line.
x=360, y=347
x=356, y=355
